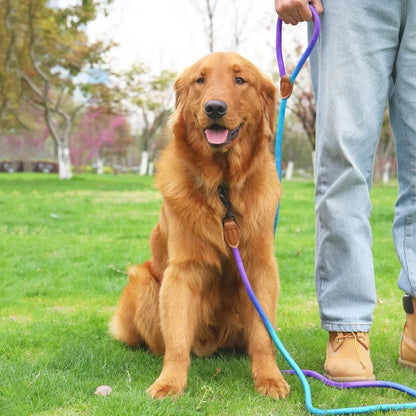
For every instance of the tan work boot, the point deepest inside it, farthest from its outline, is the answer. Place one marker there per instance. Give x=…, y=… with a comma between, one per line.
x=407, y=356
x=348, y=357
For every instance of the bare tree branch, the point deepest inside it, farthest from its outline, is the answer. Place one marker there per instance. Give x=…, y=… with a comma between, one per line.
x=208, y=12
x=32, y=86
x=240, y=23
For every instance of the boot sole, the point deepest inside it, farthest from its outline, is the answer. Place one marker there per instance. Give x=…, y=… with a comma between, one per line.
x=347, y=379
x=407, y=364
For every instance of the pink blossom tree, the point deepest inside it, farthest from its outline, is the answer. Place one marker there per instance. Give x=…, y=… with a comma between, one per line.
x=100, y=134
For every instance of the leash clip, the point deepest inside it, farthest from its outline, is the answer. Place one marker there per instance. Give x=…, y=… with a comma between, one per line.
x=223, y=193
x=229, y=223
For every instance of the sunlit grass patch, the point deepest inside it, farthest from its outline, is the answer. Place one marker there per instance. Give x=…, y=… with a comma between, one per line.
x=64, y=250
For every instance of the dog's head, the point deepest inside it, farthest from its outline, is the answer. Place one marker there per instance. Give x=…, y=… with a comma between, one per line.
x=222, y=100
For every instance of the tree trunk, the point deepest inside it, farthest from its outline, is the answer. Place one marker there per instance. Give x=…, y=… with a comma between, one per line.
x=386, y=173
x=100, y=166
x=64, y=161
x=289, y=170
x=144, y=163
x=313, y=166
x=151, y=169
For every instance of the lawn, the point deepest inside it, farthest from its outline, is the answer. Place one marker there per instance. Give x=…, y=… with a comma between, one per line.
x=65, y=246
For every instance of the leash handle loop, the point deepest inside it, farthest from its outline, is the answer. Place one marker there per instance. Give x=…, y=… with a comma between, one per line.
x=286, y=87
x=308, y=50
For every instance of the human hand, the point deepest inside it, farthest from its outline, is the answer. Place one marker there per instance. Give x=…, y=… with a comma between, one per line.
x=295, y=11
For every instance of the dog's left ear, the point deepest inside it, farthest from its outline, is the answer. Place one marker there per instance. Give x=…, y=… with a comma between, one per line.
x=268, y=93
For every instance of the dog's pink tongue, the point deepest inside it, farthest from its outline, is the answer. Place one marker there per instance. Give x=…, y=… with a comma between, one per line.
x=216, y=136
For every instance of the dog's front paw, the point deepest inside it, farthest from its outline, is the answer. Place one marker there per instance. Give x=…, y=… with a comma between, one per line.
x=163, y=388
x=273, y=387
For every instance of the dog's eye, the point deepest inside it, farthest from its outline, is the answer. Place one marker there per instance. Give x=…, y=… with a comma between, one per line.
x=239, y=80
x=200, y=81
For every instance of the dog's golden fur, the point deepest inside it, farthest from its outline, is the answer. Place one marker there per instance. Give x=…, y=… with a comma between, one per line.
x=189, y=297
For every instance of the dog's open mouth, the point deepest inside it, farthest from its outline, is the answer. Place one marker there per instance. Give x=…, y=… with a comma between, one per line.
x=217, y=135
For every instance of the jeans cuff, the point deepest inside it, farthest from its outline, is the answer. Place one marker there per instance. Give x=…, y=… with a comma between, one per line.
x=345, y=327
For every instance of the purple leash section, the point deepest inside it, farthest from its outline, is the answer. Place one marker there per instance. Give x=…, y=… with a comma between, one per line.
x=354, y=384
x=308, y=50
x=302, y=374
x=286, y=86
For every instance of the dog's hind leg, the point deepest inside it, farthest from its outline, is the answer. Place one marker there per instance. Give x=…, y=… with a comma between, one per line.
x=137, y=318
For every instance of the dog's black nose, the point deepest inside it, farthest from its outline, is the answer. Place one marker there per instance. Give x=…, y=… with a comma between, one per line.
x=215, y=109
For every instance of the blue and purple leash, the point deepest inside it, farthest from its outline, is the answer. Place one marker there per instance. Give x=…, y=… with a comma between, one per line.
x=286, y=85
x=302, y=374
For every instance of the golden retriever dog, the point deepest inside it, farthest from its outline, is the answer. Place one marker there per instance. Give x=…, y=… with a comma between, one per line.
x=189, y=298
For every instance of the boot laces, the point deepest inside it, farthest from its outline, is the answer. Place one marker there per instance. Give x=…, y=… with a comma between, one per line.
x=358, y=338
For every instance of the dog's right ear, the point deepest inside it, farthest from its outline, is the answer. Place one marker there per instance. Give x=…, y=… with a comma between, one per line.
x=181, y=91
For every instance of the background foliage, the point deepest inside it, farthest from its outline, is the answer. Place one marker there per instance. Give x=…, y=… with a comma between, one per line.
x=53, y=77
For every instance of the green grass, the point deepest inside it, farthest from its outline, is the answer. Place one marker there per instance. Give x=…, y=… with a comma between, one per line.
x=64, y=248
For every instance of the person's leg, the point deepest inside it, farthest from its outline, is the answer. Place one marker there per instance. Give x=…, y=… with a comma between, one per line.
x=402, y=105
x=351, y=72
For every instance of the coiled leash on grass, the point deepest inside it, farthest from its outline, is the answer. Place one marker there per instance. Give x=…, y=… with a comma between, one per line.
x=232, y=237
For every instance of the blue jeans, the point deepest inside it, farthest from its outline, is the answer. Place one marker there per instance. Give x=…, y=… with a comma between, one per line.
x=365, y=56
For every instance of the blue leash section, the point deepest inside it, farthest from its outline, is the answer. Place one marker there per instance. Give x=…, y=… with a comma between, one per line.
x=291, y=79
x=296, y=369
x=302, y=377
